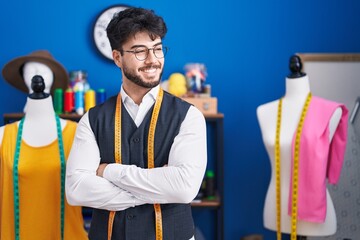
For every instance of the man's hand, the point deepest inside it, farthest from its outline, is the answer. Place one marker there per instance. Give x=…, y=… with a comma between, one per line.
x=100, y=170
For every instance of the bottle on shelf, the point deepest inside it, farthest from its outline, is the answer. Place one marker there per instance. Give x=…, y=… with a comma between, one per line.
x=210, y=185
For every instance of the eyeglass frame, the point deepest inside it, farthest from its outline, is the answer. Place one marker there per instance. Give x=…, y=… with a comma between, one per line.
x=164, y=50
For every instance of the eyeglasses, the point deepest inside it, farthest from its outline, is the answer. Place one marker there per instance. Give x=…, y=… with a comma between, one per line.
x=141, y=53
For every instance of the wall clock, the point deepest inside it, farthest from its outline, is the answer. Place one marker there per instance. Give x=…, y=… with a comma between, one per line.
x=101, y=41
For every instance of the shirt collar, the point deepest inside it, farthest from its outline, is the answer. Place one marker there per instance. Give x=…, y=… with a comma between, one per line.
x=152, y=94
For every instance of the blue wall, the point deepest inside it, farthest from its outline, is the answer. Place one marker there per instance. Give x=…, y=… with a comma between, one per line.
x=245, y=45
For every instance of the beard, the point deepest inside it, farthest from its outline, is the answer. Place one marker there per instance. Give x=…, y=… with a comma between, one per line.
x=138, y=80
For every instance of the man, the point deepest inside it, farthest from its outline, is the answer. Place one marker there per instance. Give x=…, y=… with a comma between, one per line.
x=139, y=158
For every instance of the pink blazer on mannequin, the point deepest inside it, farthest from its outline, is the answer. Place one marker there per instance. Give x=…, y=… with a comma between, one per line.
x=319, y=158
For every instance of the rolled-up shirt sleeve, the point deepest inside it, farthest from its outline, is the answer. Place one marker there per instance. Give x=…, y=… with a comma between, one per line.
x=83, y=187
x=180, y=180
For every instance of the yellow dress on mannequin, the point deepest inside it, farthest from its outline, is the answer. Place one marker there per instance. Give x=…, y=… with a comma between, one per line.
x=39, y=190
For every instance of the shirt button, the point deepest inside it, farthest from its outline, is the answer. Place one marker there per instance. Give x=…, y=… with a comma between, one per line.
x=136, y=140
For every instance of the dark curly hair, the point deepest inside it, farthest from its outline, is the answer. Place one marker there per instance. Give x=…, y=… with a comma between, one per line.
x=127, y=23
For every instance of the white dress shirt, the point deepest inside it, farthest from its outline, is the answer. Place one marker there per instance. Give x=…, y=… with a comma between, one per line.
x=124, y=186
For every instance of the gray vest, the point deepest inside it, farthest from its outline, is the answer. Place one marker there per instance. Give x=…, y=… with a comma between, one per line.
x=138, y=223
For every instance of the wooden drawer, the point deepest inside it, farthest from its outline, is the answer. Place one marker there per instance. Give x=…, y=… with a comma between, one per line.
x=207, y=105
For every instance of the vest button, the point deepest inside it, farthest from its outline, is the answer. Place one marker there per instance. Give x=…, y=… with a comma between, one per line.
x=136, y=140
x=130, y=217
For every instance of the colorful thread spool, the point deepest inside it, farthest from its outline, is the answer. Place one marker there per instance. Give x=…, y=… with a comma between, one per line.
x=79, y=102
x=69, y=101
x=89, y=99
x=58, y=101
x=100, y=96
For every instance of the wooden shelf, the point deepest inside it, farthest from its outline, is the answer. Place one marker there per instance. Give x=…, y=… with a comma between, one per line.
x=10, y=117
x=206, y=203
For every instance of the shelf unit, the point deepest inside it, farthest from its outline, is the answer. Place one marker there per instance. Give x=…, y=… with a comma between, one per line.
x=216, y=139
x=215, y=134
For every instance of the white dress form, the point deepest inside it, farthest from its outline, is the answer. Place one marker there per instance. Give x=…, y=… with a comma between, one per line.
x=297, y=90
x=31, y=69
x=39, y=127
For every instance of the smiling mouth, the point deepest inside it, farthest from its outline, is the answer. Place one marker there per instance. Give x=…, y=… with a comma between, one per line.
x=149, y=69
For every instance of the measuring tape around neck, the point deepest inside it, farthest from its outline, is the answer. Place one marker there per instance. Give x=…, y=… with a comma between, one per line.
x=151, y=156
x=151, y=140
x=117, y=144
x=294, y=202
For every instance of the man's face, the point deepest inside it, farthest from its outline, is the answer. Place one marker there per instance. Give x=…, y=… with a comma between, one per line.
x=146, y=73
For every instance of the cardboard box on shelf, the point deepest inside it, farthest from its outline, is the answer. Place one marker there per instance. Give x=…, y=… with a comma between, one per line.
x=207, y=105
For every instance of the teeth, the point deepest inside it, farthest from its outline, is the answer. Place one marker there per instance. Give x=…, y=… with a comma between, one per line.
x=150, y=70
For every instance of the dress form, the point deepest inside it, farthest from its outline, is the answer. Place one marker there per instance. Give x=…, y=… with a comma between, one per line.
x=297, y=89
x=32, y=69
x=35, y=167
x=39, y=124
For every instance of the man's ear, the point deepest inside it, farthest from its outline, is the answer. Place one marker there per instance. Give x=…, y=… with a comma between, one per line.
x=117, y=58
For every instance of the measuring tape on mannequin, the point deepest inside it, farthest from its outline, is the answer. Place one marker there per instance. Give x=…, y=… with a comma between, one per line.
x=294, y=202
x=16, y=177
x=151, y=139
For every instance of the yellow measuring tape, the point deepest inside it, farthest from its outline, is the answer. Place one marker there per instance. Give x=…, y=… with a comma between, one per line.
x=117, y=144
x=150, y=148
x=151, y=139
x=277, y=169
x=294, y=202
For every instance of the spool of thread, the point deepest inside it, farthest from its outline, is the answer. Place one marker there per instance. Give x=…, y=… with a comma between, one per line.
x=69, y=101
x=89, y=99
x=100, y=96
x=58, y=100
x=79, y=102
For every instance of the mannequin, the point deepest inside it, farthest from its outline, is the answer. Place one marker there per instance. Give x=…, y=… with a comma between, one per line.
x=19, y=72
x=297, y=90
x=31, y=69
x=42, y=204
x=37, y=127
